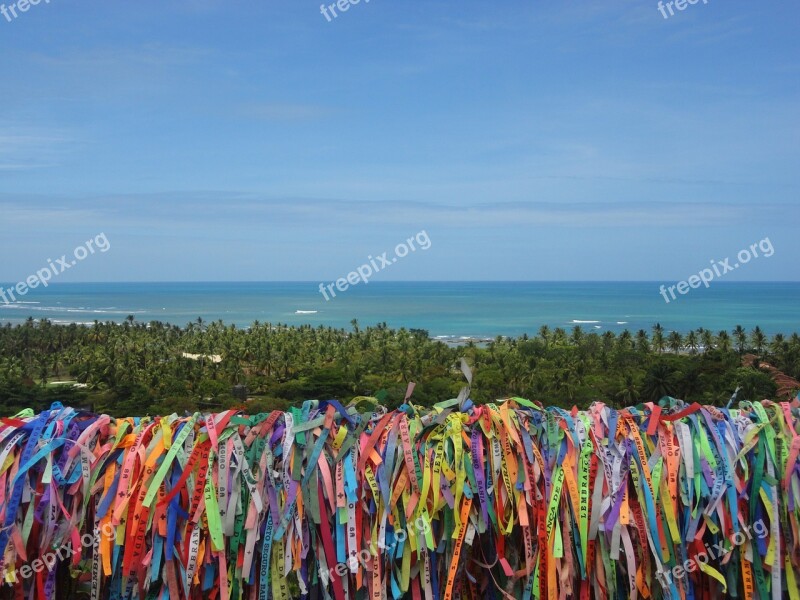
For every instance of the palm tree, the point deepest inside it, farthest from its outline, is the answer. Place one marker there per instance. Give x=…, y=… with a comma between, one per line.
x=642, y=342
x=608, y=341
x=758, y=340
x=691, y=341
x=628, y=394
x=779, y=348
x=690, y=385
x=675, y=341
x=544, y=333
x=707, y=339
x=565, y=383
x=624, y=341
x=740, y=335
x=794, y=341
x=778, y=343
x=658, y=338
x=658, y=383
x=724, y=341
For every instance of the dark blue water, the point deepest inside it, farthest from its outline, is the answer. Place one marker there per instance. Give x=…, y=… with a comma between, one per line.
x=468, y=309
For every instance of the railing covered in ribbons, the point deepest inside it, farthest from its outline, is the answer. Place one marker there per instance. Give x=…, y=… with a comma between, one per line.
x=506, y=500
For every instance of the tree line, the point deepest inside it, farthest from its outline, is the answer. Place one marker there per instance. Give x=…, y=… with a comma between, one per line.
x=135, y=368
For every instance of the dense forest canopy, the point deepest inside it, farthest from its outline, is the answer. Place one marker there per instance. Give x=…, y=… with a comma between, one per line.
x=134, y=368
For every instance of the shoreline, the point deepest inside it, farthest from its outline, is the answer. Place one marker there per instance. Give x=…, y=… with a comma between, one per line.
x=450, y=340
x=455, y=313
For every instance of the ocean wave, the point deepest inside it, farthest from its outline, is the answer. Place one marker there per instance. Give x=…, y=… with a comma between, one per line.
x=99, y=311
x=306, y=312
x=578, y=322
x=20, y=306
x=69, y=309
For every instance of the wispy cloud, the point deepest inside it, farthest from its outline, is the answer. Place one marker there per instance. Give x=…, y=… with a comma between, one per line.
x=104, y=73
x=176, y=211
x=284, y=112
x=706, y=33
x=26, y=149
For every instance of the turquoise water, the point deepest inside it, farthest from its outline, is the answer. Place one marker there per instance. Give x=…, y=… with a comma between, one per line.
x=452, y=309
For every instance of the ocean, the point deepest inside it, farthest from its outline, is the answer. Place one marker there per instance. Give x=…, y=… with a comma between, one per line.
x=448, y=310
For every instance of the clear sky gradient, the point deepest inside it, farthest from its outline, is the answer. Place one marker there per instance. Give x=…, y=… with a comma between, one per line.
x=564, y=140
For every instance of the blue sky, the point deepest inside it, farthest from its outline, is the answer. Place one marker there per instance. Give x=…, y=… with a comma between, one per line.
x=532, y=141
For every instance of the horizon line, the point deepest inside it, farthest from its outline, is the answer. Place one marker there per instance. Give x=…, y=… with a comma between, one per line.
x=315, y=282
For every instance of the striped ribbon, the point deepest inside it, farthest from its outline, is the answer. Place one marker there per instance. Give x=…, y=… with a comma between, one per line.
x=505, y=500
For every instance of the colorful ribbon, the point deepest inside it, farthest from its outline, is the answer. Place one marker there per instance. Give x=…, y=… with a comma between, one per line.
x=507, y=500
